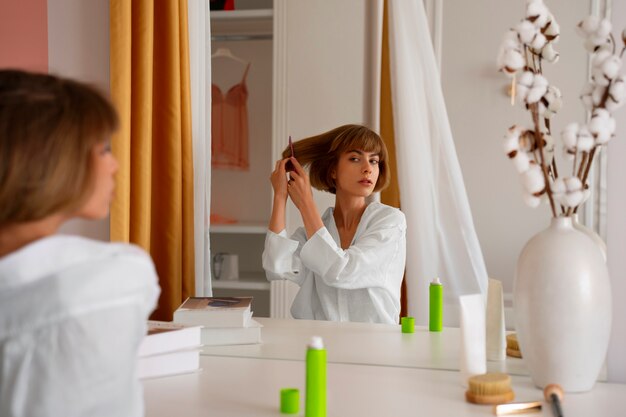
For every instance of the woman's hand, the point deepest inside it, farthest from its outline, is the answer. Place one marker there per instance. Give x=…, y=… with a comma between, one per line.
x=279, y=180
x=299, y=186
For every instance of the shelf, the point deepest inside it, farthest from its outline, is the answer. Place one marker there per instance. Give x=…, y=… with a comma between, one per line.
x=242, y=14
x=240, y=24
x=246, y=281
x=241, y=228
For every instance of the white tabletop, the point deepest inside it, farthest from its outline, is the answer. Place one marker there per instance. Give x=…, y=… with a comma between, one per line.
x=361, y=343
x=229, y=387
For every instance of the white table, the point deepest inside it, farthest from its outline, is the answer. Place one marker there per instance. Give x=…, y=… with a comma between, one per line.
x=229, y=387
x=361, y=343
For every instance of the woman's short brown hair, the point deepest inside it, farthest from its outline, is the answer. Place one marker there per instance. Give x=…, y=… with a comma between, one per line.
x=48, y=128
x=321, y=154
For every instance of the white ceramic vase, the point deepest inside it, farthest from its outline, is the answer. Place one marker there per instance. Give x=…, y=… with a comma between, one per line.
x=562, y=300
x=593, y=235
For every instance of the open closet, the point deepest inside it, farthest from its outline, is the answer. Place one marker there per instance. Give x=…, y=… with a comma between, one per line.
x=241, y=91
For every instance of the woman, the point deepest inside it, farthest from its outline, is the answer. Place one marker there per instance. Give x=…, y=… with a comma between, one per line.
x=350, y=261
x=72, y=310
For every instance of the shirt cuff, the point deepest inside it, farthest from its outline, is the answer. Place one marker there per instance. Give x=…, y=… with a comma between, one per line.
x=320, y=252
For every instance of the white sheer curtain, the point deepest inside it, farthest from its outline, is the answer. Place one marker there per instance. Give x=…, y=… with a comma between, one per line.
x=200, y=66
x=441, y=240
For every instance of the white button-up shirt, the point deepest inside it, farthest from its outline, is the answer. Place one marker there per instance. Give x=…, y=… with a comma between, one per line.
x=72, y=314
x=361, y=283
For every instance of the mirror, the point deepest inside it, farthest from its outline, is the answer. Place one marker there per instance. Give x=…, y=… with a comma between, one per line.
x=473, y=90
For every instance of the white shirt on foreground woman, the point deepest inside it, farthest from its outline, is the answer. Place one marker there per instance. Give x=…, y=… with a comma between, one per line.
x=72, y=314
x=361, y=283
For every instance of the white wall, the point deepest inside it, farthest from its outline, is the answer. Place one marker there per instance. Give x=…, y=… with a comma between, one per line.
x=616, y=228
x=78, y=47
x=480, y=114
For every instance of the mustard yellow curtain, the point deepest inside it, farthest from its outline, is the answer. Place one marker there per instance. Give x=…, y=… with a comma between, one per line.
x=150, y=87
x=391, y=194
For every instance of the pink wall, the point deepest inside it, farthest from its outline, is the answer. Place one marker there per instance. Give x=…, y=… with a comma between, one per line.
x=24, y=34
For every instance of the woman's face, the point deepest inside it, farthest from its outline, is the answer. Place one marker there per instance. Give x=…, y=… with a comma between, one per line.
x=356, y=173
x=104, y=168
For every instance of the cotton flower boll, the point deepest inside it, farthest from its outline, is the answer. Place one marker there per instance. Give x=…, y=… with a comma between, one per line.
x=588, y=26
x=538, y=89
x=599, y=57
x=597, y=67
x=568, y=192
x=602, y=126
x=597, y=94
x=533, y=180
x=598, y=77
x=526, y=32
x=574, y=194
x=611, y=67
x=584, y=140
x=558, y=189
x=521, y=162
x=527, y=141
x=617, y=94
x=602, y=136
x=538, y=42
x=553, y=31
x=524, y=83
x=530, y=200
x=604, y=29
x=511, y=142
x=537, y=13
x=618, y=88
x=612, y=105
x=602, y=116
x=569, y=136
x=553, y=98
x=510, y=58
x=573, y=199
x=511, y=61
x=549, y=54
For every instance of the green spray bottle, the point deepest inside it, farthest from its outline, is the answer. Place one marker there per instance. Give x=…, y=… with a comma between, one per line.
x=315, y=399
x=435, y=322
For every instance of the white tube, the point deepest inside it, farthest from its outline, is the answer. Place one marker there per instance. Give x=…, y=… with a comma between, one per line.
x=473, y=356
x=496, y=337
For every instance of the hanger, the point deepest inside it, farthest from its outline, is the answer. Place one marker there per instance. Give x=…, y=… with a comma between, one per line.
x=226, y=53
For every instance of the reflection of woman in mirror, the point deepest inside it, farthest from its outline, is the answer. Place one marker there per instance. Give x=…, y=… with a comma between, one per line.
x=73, y=310
x=349, y=262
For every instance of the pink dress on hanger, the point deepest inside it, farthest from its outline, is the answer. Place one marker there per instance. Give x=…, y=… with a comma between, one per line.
x=229, y=126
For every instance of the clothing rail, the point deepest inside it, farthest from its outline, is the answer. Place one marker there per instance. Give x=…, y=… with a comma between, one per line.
x=221, y=38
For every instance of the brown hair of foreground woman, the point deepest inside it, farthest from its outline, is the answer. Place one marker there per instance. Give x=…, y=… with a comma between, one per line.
x=48, y=129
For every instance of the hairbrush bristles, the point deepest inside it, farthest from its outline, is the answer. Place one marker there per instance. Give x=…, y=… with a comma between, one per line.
x=489, y=389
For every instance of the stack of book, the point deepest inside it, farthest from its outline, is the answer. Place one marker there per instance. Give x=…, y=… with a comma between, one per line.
x=169, y=349
x=225, y=320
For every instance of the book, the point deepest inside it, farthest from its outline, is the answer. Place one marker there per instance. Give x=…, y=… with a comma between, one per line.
x=167, y=364
x=217, y=336
x=215, y=311
x=164, y=336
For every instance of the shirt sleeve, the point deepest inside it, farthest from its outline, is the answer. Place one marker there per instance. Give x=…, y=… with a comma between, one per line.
x=281, y=256
x=365, y=264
